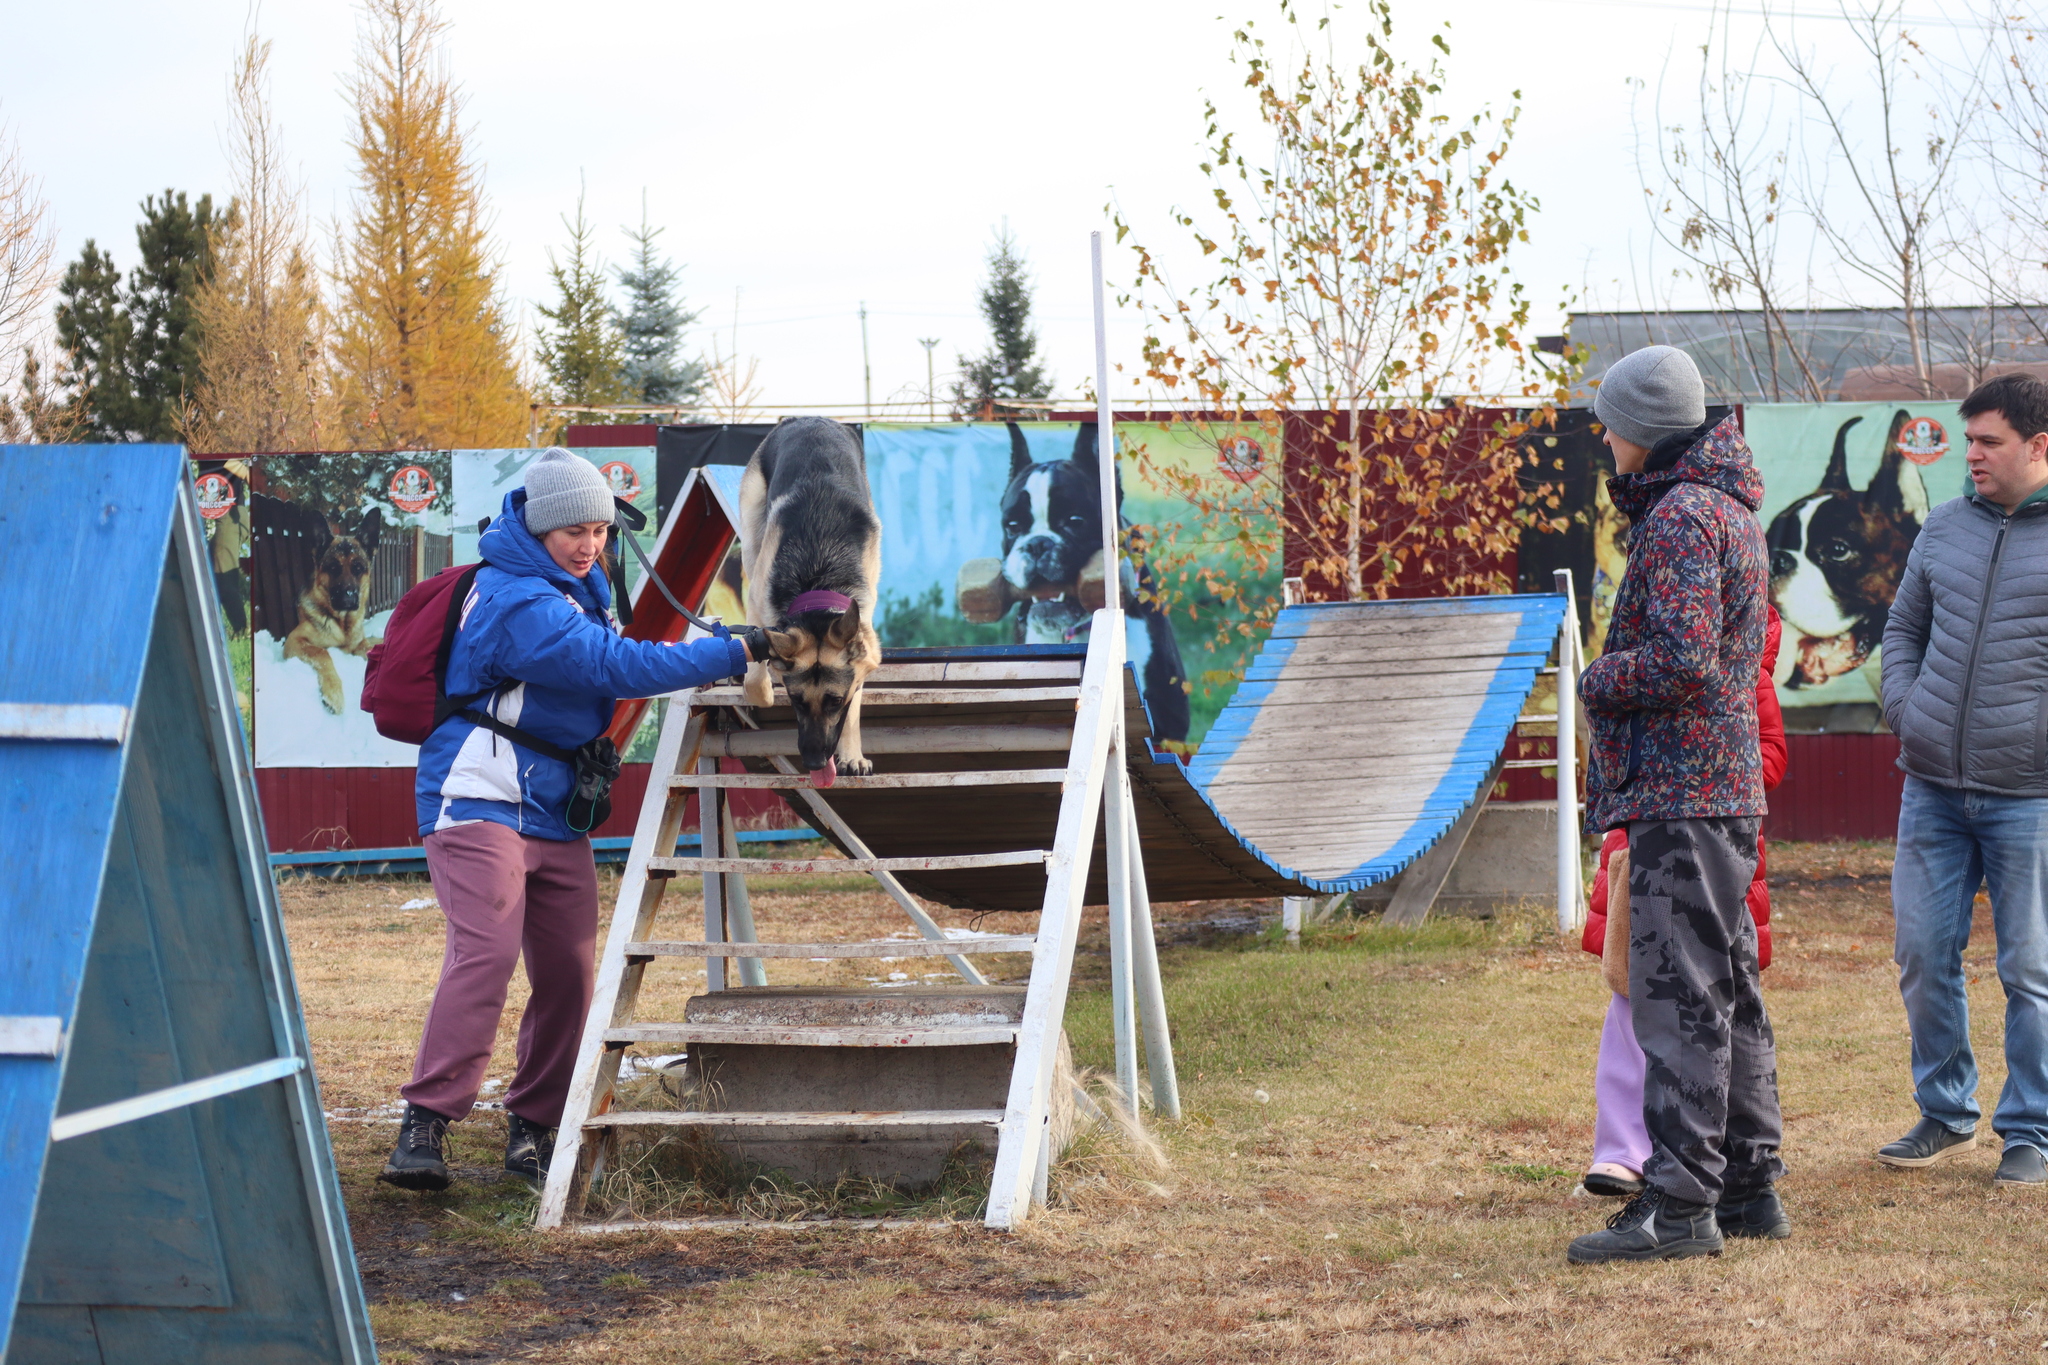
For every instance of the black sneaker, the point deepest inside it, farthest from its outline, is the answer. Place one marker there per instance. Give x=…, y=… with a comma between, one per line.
x=418, y=1162
x=1928, y=1143
x=1759, y=1213
x=2021, y=1166
x=1650, y=1227
x=528, y=1149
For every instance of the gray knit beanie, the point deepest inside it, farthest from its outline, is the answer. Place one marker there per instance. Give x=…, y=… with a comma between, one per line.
x=1650, y=394
x=564, y=489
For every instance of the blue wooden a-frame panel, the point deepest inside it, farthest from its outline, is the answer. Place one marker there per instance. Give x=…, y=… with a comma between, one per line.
x=166, y=1188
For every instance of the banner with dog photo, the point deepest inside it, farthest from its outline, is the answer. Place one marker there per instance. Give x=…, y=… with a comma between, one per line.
x=483, y=477
x=336, y=540
x=1846, y=487
x=992, y=532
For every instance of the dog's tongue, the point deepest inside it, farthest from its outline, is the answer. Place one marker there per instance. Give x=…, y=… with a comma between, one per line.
x=827, y=775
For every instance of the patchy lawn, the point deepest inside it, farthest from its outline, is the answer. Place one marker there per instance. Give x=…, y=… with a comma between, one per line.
x=1403, y=1192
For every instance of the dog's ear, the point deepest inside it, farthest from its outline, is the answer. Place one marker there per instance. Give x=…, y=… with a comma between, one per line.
x=845, y=627
x=1898, y=489
x=787, y=644
x=372, y=528
x=1020, y=453
x=1084, y=454
x=1837, y=478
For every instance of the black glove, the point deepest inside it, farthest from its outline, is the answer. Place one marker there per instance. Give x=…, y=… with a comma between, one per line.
x=756, y=641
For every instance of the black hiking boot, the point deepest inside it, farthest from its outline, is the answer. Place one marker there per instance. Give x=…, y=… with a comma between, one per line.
x=1927, y=1143
x=1650, y=1227
x=528, y=1149
x=418, y=1162
x=1757, y=1213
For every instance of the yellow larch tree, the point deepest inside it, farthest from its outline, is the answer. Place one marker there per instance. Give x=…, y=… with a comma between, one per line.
x=423, y=355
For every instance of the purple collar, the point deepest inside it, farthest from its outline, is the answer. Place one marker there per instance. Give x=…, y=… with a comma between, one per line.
x=820, y=600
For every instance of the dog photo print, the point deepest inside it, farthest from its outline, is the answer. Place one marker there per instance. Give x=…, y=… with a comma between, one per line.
x=991, y=534
x=1846, y=488
x=337, y=540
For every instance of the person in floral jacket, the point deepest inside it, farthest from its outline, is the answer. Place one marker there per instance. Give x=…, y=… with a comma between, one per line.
x=1675, y=761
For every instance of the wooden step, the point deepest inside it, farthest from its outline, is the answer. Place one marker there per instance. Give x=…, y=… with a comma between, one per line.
x=777, y=866
x=814, y=1035
x=986, y=671
x=1001, y=777
x=882, y=947
x=911, y=696
x=876, y=1118
x=902, y=739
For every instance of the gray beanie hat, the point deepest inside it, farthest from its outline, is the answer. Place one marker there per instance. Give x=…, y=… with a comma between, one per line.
x=1650, y=394
x=564, y=489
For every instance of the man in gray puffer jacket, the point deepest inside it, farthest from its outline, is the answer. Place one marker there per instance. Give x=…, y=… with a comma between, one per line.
x=1966, y=690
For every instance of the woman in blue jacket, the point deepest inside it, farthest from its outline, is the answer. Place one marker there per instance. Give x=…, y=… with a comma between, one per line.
x=537, y=652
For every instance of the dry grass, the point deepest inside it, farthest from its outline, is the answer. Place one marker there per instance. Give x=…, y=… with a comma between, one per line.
x=1405, y=1193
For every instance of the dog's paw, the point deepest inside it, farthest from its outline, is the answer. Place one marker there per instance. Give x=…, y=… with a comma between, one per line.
x=330, y=700
x=855, y=767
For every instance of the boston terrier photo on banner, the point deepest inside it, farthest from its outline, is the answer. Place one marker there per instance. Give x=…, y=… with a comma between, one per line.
x=1052, y=529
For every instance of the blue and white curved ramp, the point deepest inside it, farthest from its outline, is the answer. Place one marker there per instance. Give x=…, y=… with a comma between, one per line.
x=1363, y=730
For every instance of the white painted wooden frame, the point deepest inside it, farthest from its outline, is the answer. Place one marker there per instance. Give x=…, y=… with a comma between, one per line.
x=1024, y=1148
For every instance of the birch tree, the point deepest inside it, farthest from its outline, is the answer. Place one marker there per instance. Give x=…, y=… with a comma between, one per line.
x=1361, y=292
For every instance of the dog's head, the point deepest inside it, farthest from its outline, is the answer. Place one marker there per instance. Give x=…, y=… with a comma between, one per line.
x=1837, y=555
x=344, y=565
x=1052, y=516
x=822, y=658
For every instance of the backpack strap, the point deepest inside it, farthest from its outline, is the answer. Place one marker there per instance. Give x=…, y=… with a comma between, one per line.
x=465, y=706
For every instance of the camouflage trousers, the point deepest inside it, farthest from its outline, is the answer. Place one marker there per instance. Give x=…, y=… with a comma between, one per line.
x=1710, y=1086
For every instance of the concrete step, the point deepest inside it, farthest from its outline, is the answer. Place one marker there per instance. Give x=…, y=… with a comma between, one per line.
x=882, y=1119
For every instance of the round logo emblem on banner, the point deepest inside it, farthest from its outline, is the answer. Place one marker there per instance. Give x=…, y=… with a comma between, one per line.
x=1923, y=441
x=623, y=479
x=216, y=495
x=1240, y=459
x=412, y=489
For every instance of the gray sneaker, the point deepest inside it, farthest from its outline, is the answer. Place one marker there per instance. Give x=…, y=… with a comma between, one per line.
x=1928, y=1143
x=2021, y=1166
x=1650, y=1227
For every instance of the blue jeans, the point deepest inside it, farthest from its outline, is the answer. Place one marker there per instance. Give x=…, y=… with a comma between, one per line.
x=1951, y=842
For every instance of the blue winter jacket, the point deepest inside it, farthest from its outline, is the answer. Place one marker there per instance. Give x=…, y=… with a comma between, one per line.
x=541, y=641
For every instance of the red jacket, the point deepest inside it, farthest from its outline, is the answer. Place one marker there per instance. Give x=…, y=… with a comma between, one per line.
x=1770, y=724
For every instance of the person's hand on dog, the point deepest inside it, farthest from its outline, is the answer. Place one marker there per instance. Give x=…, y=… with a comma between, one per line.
x=754, y=640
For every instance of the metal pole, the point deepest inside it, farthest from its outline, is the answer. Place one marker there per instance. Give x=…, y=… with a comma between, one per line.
x=1117, y=848
x=739, y=910
x=1105, y=441
x=1568, y=889
x=867, y=375
x=1145, y=966
x=709, y=799
x=931, y=383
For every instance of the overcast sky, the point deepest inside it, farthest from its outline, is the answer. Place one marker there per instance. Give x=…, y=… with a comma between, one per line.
x=808, y=157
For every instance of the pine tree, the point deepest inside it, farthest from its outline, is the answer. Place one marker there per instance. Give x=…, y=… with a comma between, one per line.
x=582, y=354
x=262, y=382
x=652, y=324
x=423, y=353
x=93, y=334
x=1009, y=368
x=177, y=241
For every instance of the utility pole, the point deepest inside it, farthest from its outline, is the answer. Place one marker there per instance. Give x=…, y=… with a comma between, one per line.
x=867, y=374
x=931, y=401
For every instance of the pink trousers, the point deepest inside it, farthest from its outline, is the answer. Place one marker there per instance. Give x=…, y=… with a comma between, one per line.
x=1619, y=1134
x=502, y=894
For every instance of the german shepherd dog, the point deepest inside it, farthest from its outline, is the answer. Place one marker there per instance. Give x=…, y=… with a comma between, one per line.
x=811, y=553
x=1052, y=526
x=331, y=609
x=1837, y=556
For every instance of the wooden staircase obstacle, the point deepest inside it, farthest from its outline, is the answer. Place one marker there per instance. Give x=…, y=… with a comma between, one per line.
x=936, y=728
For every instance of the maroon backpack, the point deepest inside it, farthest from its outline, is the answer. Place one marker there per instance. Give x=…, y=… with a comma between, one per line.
x=405, y=685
